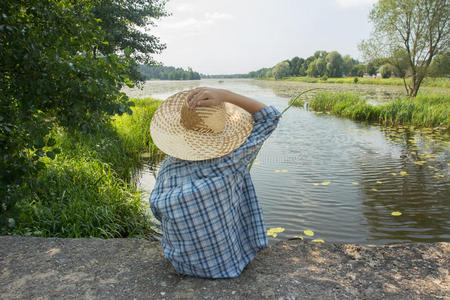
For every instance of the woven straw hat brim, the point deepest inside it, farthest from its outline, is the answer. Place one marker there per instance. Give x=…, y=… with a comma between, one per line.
x=171, y=137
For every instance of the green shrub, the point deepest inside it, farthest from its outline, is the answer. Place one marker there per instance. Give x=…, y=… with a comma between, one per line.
x=87, y=190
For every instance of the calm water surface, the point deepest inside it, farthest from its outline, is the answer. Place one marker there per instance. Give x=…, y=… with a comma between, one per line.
x=338, y=178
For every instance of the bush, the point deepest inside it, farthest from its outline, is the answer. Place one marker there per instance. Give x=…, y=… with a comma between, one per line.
x=87, y=190
x=51, y=75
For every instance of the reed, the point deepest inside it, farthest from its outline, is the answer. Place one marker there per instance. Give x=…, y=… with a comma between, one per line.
x=429, y=81
x=426, y=110
x=86, y=191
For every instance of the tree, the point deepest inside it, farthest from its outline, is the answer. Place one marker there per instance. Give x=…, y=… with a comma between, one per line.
x=386, y=71
x=320, y=54
x=371, y=69
x=127, y=25
x=440, y=66
x=317, y=68
x=335, y=64
x=281, y=70
x=399, y=64
x=348, y=64
x=51, y=75
x=358, y=70
x=295, y=65
x=419, y=27
x=267, y=73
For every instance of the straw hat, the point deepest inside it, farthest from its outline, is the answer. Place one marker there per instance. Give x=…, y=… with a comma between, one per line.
x=204, y=132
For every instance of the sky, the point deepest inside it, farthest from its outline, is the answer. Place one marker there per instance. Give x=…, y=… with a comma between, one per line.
x=239, y=36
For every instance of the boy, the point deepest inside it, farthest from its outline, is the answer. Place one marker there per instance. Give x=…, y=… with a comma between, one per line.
x=204, y=197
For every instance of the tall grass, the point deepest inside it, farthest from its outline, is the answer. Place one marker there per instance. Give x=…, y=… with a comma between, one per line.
x=426, y=110
x=87, y=191
x=429, y=81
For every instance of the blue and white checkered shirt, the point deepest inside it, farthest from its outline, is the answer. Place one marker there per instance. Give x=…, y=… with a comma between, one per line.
x=210, y=217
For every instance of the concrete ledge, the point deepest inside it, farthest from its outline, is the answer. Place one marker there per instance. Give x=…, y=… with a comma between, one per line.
x=49, y=268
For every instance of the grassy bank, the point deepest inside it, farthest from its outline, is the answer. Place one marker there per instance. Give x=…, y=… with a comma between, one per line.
x=86, y=191
x=426, y=110
x=430, y=82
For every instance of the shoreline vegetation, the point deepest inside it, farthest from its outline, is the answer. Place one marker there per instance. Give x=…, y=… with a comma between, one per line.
x=440, y=82
x=87, y=190
x=425, y=110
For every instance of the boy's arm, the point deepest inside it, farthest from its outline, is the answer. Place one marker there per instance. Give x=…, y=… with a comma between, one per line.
x=211, y=96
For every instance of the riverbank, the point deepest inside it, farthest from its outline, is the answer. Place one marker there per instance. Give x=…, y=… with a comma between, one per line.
x=86, y=191
x=426, y=110
x=428, y=82
x=135, y=269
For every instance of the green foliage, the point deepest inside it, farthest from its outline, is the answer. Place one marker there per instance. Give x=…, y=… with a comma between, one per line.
x=281, y=70
x=386, y=71
x=359, y=70
x=348, y=64
x=52, y=74
x=440, y=66
x=424, y=110
x=295, y=66
x=318, y=65
x=167, y=73
x=335, y=64
x=429, y=81
x=121, y=20
x=87, y=191
x=317, y=68
x=371, y=68
x=79, y=198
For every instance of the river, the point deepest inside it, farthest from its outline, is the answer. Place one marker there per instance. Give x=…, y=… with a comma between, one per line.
x=338, y=178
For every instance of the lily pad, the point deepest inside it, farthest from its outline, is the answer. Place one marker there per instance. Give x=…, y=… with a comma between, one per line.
x=274, y=231
x=308, y=232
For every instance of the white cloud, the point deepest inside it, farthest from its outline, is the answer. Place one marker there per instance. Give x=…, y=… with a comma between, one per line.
x=217, y=16
x=348, y=3
x=195, y=25
x=184, y=7
x=189, y=23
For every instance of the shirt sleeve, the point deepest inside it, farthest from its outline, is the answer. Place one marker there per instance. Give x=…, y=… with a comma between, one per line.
x=265, y=122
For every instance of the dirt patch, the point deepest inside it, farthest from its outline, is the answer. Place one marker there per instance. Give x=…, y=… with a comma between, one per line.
x=48, y=268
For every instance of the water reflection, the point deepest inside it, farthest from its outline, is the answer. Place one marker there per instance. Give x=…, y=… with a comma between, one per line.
x=369, y=170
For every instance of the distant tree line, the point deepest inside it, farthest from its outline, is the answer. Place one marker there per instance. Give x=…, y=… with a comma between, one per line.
x=167, y=73
x=225, y=76
x=321, y=64
x=325, y=64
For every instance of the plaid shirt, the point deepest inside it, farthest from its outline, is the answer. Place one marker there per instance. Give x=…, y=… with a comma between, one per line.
x=210, y=217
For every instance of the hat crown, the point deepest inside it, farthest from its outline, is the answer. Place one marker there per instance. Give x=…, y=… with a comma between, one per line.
x=207, y=119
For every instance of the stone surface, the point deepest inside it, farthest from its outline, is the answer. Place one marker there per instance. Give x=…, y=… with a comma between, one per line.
x=51, y=268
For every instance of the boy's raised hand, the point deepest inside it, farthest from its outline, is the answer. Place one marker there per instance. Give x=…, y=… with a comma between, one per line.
x=205, y=96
